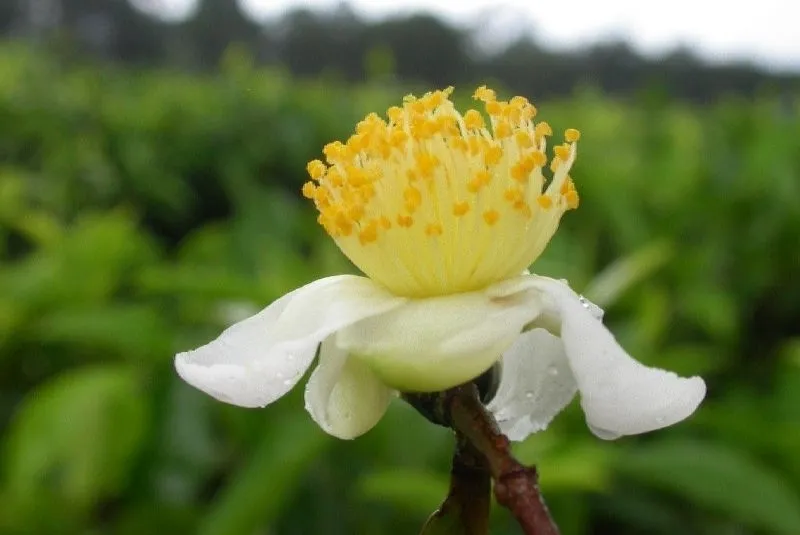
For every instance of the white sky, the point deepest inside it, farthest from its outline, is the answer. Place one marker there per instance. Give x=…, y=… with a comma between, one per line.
x=766, y=31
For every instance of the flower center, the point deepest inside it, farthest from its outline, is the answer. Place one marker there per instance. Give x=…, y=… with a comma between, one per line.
x=433, y=202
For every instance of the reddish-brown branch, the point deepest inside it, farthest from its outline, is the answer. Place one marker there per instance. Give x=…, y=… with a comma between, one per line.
x=515, y=486
x=468, y=502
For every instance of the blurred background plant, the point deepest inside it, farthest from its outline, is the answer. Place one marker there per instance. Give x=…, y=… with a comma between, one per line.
x=149, y=196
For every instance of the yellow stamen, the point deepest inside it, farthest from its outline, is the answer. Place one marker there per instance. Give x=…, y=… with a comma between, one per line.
x=309, y=190
x=571, y=135
x=473, y=120
x=430, y=202
x=572, y=199
x=460, y=208
x=434, y=229
x=316, y=169
x=562, y=152
x=544, y=201
x=491, y=216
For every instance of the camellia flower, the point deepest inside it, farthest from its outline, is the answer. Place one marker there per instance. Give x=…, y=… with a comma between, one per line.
x=443, y=213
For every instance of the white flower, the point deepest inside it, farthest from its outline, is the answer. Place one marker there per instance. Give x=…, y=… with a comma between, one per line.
x=442, y=214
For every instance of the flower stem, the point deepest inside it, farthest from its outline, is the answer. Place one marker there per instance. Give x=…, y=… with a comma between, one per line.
x=466, y=508
x=515, y=486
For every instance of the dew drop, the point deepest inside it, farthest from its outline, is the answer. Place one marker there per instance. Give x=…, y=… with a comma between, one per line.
x=552, y=371
x=529, y=395
x=287, y=382
x=660, y=420
x=605, y=434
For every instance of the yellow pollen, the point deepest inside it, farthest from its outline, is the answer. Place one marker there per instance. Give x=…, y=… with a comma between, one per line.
x=405, y=220
x=484, y=94
x=395, y=114
x=519, y=102
x=523, y=140
x=426, y=164
x=316, y=169
x=474, y=185
x=544, y=201
x=309, y=190
x=572, y=199
x=571, y=135
x=567, y=185
x=519, y=172
x=562, y=152
x=502, y=129
x=473, y=120
x=413, y=197
x=460, y=208
x=426, y=171
x=538, y=158
x=368, y=234
x=513, y=195
x=494, y=108
x=493, y=155
x=543, y=129
x=491, y=216
x=433, y=229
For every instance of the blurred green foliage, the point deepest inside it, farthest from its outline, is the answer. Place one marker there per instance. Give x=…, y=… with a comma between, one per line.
x=141, y=212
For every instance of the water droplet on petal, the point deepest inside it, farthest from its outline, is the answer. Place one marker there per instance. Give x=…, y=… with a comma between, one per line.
x=529, y=395
x=660, y=420
x=605, y=434
x=552, y=371
x=279, y=375
x=287, y=382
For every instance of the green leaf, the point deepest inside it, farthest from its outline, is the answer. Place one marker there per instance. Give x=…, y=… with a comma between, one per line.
x=259, y=490
x=620, y=276
x=567, y=466
x=415, y=491
x=718, y=478
x=76, y=437
x=135, y=331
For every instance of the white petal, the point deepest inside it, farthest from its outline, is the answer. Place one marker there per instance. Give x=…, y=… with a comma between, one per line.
x=343, y=395
x=436, y=343
x=619, y=395
x=257, y=360
x=536, y=383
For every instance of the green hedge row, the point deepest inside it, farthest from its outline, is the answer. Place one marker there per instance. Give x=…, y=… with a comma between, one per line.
x=140, y=212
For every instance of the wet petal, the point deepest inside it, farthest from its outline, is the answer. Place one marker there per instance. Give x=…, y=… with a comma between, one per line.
x=256, y=361
x=536, y=383
x=619, y=395
x=343, y=395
